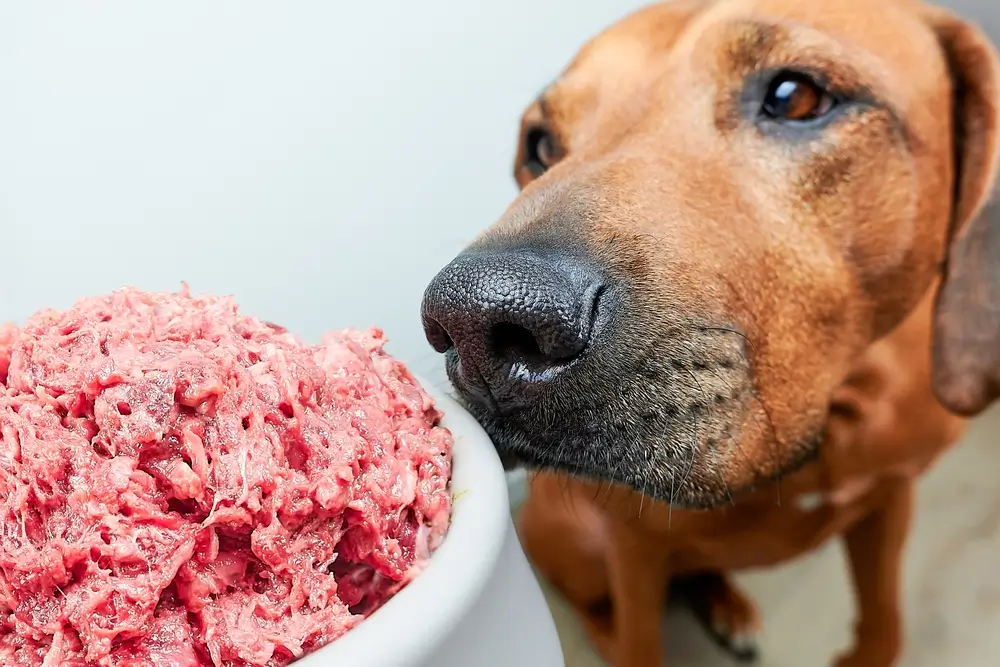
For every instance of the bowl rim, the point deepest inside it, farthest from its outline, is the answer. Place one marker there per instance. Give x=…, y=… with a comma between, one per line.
x=409, y=626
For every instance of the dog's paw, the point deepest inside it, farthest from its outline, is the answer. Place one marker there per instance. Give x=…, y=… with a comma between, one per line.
x=726, y=613
x=738, y=643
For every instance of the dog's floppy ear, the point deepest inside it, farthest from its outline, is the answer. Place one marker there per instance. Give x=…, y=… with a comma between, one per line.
x=967, y=312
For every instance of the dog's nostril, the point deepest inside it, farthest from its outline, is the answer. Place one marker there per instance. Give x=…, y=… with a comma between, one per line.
x=510, y=318
x=437, y=336
x=513, y=342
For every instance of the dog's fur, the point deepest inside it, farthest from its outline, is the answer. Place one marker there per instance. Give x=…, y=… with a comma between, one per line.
x=815, y=302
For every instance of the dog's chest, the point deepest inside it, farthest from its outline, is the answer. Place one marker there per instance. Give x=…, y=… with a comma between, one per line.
x=774, y=528
x=765, y=541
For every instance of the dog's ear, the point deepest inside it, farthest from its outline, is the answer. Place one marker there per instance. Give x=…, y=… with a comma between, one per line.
x=966, y=364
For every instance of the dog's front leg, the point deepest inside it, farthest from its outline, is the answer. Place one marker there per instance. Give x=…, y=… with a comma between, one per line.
x=638, y=575
x=875, y=551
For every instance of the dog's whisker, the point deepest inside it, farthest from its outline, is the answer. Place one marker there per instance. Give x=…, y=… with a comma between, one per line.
x=690, y=466
x=765, y=436
x=774, y=443
x=725, y=486
x=670, y=506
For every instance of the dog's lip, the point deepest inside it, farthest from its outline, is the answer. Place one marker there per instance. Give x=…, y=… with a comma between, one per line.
x=517, y=449
x=529, y=460
x=510, y=462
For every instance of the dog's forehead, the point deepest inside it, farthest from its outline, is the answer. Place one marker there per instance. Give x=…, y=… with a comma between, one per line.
x=887, y=41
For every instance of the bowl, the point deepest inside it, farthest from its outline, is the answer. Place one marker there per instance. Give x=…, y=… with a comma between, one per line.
x=478, y=601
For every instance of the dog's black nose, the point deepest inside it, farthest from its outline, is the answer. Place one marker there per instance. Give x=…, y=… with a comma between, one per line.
x=512, y=316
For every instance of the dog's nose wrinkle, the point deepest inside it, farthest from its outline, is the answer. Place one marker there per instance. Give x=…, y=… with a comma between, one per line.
x=510, y=313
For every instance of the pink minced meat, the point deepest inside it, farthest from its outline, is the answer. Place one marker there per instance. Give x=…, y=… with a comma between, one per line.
x=181, y=484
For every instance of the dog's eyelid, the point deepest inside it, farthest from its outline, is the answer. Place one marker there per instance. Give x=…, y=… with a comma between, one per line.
x=847, y=94
x=840, y=87
x=538, y=118
x=836, y=77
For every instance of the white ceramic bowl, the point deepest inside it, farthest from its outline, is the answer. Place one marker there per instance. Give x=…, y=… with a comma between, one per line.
x=477, y=604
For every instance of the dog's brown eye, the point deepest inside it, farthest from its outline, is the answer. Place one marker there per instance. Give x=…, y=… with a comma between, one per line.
x=796, y=97
x=540, y=147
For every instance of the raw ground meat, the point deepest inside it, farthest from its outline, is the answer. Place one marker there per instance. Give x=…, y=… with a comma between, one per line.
x=182, y=485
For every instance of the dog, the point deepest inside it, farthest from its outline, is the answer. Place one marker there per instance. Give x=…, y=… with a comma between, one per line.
x=748, y=293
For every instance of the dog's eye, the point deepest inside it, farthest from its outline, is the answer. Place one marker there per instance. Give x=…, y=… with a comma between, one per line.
x=540, y=150
x=792, y=96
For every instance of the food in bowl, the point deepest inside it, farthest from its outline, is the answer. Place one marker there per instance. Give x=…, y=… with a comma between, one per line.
x=181, y=484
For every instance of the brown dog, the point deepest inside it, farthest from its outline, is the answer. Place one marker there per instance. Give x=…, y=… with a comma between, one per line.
x=743, y=227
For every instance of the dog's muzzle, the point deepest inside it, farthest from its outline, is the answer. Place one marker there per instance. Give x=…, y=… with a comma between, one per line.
x=513, y=320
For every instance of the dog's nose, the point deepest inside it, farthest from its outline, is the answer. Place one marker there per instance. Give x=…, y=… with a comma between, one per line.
x=512, y=316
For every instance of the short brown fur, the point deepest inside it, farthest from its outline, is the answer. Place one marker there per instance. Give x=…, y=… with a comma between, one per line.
x=831, y=254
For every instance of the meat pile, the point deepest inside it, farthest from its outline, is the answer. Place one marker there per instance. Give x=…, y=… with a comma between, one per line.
x=182, y=485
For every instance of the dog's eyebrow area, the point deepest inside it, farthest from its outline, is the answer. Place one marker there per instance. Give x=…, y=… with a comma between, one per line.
x=547, y=105
x=748, y=47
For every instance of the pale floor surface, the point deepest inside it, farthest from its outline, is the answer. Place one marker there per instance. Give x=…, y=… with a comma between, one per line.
x=952, y=583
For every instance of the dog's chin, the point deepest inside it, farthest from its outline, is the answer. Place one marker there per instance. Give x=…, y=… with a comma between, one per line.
x=666, y=462
x=625, y=457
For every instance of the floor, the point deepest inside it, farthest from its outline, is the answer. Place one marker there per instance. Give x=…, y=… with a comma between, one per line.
x=952, y=577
